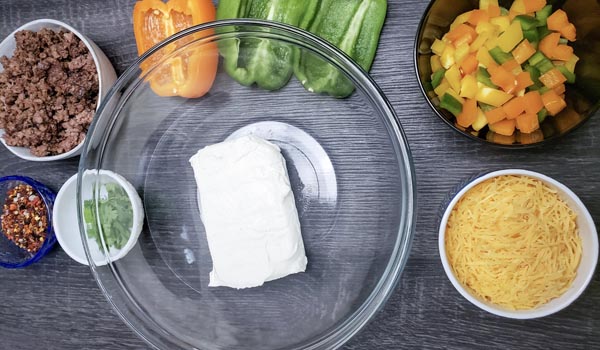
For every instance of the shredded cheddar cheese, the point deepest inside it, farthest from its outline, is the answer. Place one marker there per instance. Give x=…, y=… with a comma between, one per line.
x=513, y=242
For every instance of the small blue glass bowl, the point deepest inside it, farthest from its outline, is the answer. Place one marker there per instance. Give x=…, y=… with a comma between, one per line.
x=12, y=256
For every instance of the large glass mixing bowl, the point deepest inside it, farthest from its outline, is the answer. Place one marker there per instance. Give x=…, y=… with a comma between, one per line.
x=351, y=174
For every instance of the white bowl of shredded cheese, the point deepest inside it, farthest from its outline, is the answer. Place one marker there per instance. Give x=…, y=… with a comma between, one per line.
x=518, y=244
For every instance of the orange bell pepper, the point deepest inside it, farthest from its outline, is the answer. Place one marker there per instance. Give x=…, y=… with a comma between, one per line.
x=549, y=43
x=469, y=65
x=463, y=32
x=514, y=107
x=523, y=81
x=553, y=78
x=523, y=51
x=533, y=102
x=533, y=5
x=493, y=11
x=495, y=115
x=503, y=78
x=504, y=127
x=553, y=102
x=528, y=123
x=557, y=20
x=569, y=32
x=478, y=16
x=190, y=74
x=468, y=114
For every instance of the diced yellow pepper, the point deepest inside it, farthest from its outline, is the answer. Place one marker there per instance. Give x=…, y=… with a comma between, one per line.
x=491, y=96
x=518, y=6
x=485, y=27
x=438, y=47
x=455, y=94
x=460, y=19
x=468, y=87
x=511, y=37
x=447, y=58
x=453, y=77
x=461, y=53
x=442, y=88
x=435, y=62
x=484, y=57
x=481, y=39
x=502, y=23
x=480, y=122
x=491, y=42
x=484, y=4
x=570, y=64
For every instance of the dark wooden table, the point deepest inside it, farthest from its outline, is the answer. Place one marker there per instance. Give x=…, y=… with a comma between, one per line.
x=55, y=304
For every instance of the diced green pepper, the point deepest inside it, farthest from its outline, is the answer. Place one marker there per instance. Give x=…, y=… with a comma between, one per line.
x=527, y=22
x=269, y=63
x=437, y=77
x=534, y=73
x=568, y=74
x=542, y=114
x=483, y=76
x=485, y=107
x=354, y=27
x=451, y=104
x=532, y=36
x=543, y=14
x=428, y=86
x=500, y=56
x=543, y=31
x=544, y=89
x=541, y=62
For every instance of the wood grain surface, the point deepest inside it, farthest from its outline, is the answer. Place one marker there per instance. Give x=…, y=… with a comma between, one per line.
x=55, y=304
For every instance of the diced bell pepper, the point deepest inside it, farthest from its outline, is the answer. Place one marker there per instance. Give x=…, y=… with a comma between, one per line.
x=511, y=37
x=491, y=96
x=468, y=87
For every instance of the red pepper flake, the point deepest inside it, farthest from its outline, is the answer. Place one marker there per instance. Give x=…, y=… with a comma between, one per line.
x=24, y=218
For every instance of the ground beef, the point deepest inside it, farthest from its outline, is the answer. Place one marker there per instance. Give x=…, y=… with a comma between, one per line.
x=48, y=92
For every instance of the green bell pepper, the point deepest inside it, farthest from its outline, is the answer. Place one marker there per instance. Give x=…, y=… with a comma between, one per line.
x=269, y=63
x=354, y=27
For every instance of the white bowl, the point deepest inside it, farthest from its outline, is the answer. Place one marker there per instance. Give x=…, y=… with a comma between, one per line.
x=589, y=257
x=66, y=225
x=106, y=78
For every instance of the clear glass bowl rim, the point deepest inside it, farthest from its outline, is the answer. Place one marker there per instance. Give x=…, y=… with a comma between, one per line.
x=345, y=330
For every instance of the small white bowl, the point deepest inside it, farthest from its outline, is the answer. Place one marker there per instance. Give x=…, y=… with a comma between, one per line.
x=106, y=78
x=66, y=225
x=587, y=232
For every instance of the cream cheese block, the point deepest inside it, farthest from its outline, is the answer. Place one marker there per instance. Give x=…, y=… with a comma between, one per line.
x=248, y=211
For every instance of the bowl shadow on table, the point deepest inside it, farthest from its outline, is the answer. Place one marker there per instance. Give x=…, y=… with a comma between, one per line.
x=583, y=97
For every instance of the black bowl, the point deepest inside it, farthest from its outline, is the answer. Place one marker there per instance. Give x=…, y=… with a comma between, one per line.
x=583, y=97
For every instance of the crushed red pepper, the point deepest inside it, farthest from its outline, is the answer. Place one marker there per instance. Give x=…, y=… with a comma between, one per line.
x=24, y=218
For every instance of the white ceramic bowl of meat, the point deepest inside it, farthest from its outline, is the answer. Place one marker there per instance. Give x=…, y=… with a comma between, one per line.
x=105, y=70
x=589, y=244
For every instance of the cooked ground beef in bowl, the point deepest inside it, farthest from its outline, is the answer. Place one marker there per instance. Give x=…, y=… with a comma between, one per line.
x=48, y=92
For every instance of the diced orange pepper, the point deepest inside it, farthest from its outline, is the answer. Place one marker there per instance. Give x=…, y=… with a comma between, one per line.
x=549, y=44
x=493, y=11
x=528, y=123
x=560, y=89
x=495, y=115
x=534, y=5
x=523, y=51
x=553, y=102
x=533, y=102
x=552, y=78
x=468, y=114
x=469, y=64
x=503, y=78
x=514, y=107
x=504, y=127
x=190, y=74
x=464, y=32
x=478, y=16
x=557, y=20
x=523, y=81
x=562, y=52
x=569, y=32
x=511, y=66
